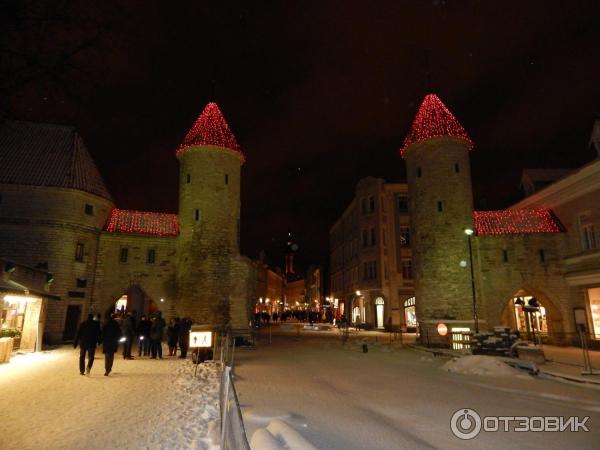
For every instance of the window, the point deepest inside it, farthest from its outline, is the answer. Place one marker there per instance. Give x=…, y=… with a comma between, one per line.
x=89, y=209
x=81, y=282
x=371, y=204
x=373, y=240
x=594, y=298
x=365, y=238
x=542, y=255
x=226, y=178
x=363, y=206
x=197, y=215
x=404, y=236
x=505, y=256
x=402, y=203
x=79, y=252
x=124, y=255
x=188, y=178
x=370, y=270
x=456, y=168
x=407, y=270
x=76, y=294
x=151, y=257
x=440, y=206
x=419, y=172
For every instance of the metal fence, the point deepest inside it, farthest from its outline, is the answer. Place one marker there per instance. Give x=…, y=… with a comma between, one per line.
x=233, y=432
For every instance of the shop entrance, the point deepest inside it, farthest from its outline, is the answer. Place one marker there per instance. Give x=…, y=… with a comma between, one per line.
x=71, y=322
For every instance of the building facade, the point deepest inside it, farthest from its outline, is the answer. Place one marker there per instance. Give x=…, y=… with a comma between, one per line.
x=478, y=269
x=371, y=279
x=55, y=209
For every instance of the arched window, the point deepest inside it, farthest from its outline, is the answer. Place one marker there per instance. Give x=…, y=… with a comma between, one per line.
x=379, y=301
x=410, y=314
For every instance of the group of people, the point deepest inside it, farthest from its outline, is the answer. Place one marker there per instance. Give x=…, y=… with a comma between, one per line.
x=122, y=328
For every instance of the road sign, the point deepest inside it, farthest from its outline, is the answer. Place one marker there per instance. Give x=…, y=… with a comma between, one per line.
x=442, y=329
x=200, y=339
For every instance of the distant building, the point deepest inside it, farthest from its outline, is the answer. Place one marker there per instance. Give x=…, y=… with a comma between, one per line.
x=371, y=280
x=56, y=209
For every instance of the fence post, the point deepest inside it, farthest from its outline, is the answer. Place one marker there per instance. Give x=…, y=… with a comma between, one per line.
x=226, y=371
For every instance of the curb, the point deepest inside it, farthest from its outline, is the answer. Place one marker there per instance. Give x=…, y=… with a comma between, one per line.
x=573, y=378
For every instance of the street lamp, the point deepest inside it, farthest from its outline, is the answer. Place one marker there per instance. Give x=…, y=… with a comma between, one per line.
x=469, y=232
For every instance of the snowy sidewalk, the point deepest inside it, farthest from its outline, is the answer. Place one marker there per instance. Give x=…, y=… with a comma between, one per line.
x=149, y=404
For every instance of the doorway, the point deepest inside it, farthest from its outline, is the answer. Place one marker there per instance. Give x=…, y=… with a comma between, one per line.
x=71, y=322
x=379, y=306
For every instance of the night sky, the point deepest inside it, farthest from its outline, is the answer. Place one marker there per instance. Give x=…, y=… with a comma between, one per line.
x=318, y=94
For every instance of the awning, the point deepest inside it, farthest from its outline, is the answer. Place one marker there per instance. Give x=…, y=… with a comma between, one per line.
x=19, y=289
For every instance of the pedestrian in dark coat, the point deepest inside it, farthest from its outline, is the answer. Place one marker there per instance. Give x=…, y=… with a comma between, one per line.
x=111, y=333
x=128, y=330
x=88, y=336
x=184, y=336
x=173, y=335
x=157, y=331
x=143, y=332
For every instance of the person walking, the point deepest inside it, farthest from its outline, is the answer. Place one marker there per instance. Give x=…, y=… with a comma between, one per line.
x=128, y=329
x=173, y=335
x=156, y=334
x=88, y=336
x=184, y=336
x=143, y=332
x=111, y=333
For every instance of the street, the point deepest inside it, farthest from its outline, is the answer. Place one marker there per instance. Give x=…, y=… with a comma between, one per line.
x=338, y=397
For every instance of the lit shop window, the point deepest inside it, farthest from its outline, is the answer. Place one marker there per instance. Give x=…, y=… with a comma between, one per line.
x=121, y=304
x=530, y=321
x=410, y=314
x=594, y=296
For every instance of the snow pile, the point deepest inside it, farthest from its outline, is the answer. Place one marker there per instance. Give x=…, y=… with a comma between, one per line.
x=279, y=436
x=193, y=413
x=480, y=365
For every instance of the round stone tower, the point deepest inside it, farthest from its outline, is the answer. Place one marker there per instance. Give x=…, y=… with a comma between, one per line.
x=210, y=162
x=441, y=209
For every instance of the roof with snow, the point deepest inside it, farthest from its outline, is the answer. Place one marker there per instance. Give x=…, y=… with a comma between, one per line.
x=433, y=120
x=516, y=221
x=142, y=222
x=38, y=154
x=210, y=129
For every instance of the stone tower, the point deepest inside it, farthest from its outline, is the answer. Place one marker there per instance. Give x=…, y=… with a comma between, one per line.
x=210, y=161
x=441, y=208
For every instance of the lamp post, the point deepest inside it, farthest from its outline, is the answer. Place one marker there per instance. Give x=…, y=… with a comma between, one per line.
x=469, y=232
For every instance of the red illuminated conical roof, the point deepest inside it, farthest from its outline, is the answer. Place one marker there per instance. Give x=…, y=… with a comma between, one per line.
x=210, y=129
x=434, y=120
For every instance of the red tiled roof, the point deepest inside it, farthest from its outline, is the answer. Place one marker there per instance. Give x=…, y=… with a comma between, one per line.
x=211, y=128
x=516, y=221
x=142, y=222
x=39, y=154
x=434, y=120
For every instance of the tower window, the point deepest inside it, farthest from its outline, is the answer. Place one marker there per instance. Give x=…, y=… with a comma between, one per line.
x=81, y=282
x=365, y=238
x=89, y=209
x=226, y=178
x=419, y=172
x=151, y=257
x=197, y=214
x=505, y=256
x=542, y=255
x=371, y=204
x=402, y=203
x=189, y=178
x=79, y=252
x=456, y=168
x=440, y=206
x=373, y=241
x=124, y=255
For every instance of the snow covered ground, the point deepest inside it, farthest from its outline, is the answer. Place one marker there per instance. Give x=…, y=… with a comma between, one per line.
x=339, y=398
x=151, y=404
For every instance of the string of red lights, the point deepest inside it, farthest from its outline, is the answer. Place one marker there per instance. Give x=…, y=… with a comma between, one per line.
x=210, y=128
x=434, y=120
x=516, y=221
x=142, y=222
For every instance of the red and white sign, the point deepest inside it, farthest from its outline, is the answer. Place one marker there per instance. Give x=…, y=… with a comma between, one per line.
x=442, y=329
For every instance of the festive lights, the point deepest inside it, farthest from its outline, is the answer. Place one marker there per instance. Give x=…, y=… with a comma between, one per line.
x=211, y=129
x=142, y=222
x=434, y=120
x=516, y=221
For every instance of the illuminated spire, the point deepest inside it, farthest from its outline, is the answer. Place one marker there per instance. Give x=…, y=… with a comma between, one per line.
x=434, y=120
x=211, y=129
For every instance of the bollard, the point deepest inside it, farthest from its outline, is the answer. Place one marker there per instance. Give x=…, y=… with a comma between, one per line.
x=365, y=348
